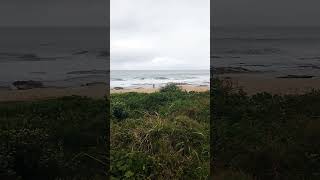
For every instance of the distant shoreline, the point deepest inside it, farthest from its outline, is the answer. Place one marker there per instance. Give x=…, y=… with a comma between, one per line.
x=256, y=83
x=93, y=91
x=250, y=83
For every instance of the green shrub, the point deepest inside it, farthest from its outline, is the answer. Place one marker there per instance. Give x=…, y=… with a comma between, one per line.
x=131, y=165
x=171, y=87
x=119, y=110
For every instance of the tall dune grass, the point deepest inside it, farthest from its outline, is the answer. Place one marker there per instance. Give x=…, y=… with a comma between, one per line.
x=162, y=135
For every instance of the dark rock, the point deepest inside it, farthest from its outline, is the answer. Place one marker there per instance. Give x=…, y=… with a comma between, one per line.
x=117, y=79
x=95, y=84
x=22, y=85
x=118, y=88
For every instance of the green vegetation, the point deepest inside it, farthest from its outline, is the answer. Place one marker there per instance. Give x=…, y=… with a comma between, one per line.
x=63, y=138
x=162, y=135
x=265, y=136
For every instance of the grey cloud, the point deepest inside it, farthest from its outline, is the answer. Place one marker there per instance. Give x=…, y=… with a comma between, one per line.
x=162, y=34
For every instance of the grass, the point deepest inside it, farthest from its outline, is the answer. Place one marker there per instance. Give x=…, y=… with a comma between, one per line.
x=162, y=135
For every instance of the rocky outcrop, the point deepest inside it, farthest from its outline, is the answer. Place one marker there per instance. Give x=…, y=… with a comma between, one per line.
x=23, y=85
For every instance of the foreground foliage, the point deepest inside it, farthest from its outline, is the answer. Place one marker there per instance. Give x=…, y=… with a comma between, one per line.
x=53, y=139
x=162, y=135
x=265, y=136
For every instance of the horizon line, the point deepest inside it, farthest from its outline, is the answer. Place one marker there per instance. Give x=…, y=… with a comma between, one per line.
x=158, y=69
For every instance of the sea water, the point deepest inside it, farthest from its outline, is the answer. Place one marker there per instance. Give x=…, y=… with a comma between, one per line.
x=56, y=56
x=277, y=50
x=158, y=78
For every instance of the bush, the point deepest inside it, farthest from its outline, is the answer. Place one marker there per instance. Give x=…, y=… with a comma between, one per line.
x=119, y=110
x=171, y=87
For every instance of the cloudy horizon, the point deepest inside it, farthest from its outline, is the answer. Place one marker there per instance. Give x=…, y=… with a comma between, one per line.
x=160, y=35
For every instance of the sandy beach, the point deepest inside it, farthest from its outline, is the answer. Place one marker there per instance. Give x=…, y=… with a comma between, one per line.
x=254, y=83
x=251, y=83
x=151, y=90
x=96, y=91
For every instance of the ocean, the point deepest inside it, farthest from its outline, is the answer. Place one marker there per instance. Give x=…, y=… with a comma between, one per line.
x=63, y=57
x=159, y=78
x=59, y=57
x=273, y=50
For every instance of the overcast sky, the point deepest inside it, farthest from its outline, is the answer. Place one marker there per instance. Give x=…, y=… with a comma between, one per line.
x=160, y=34
x=53, y=12
x=266, y=12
